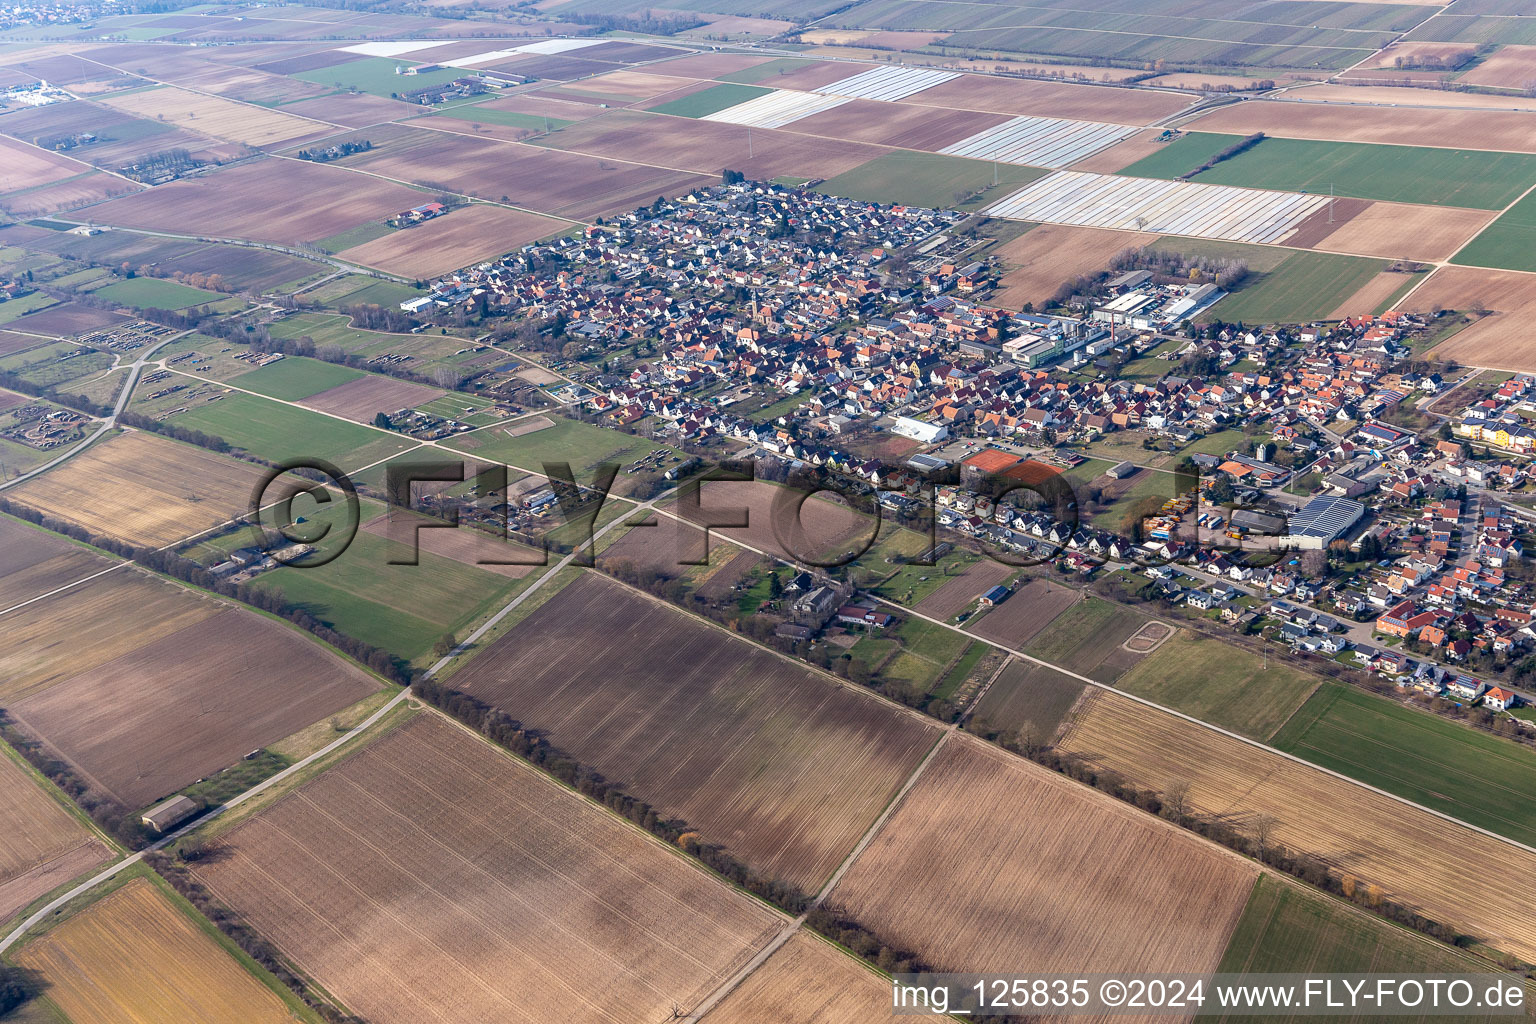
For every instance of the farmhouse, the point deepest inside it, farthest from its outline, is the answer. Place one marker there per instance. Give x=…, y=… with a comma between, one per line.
x=173, y=812
x=858, y=615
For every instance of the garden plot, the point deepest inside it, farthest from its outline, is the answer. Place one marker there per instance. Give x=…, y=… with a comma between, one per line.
x=1040, y=141
x=1166, y=207
x=888, y=83
x=777, y=109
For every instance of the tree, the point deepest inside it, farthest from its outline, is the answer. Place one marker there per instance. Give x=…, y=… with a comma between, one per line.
x=444, y=645
x=775, y=586
x=1264, y=826
x=383, y=422
x=1176, y=799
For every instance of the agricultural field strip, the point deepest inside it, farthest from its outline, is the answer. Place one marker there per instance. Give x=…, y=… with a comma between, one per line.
x=1187, y=208
x=777, y=109
x=1040, y=141
x=23, y=927
x=893, y=83
x=1158, y=707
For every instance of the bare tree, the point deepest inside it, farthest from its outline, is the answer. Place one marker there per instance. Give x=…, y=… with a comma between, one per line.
x=1176, y=799
x=1264, y=826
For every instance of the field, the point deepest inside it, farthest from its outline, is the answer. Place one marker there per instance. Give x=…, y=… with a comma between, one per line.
x=461, y=238
x=1305, y=286
x=143, y=489
x=277, y=432
x=1041, y=260
x=33, y=562
x=782, y=766
x=375, y=76
x=1375, y=838
x=897, y=124
x=1052, y=99
x=1501, y=339
x=1438, y=763
x=1404, y=174
x=27, y=166
x=41, y=843
x=964, y=876
x=710, y=101
x=220, y=118
x=1218, y=683
x=149, y=293
x=821, y=527
x=1025, y=613
x=1507, y=242
x=365, y=397
x=141, y=726
x=1508, y=67
x=1028, y=699
x=584, y=446
x=927, y=179
x=250, y=201
x=465, y=545
x=1086, y=639
x=1402, y=231
x=961, y=591
x=134, y=956
x=808, y=981
x=1484, y=130
x=1288, y=928
x=513, y=899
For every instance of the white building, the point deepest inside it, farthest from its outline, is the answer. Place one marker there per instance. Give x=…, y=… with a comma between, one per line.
x=928, y=433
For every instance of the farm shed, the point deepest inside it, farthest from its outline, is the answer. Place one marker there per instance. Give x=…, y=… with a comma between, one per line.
x=1122, y=470
x=174, y=811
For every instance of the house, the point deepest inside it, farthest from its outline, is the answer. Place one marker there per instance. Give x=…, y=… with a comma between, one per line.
x=1499, y=699
x=173, y=812
x=858, y=615
x=1464, y=686
x=1202, y=599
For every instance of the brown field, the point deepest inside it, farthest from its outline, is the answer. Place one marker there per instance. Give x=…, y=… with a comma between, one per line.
x=780, y=765
x=1403, y=126
x=1371, y=294
x=559, y=67
x=1418, y=97
x=24, y=166
x=143, y=489
x=41, y=643
x=365, y=397
x=307, y=62
x=637, y=85
x=22, y=890
x=1052, y=99
x=707, y=65
x=560, y=183
x=896, y=124
x=1044, y=258
x=253, y=201
x=250, y=85
x=966, y=875
x=1404, y=231
x=809, y=981
x=134, y=958
x=464, y=545
x=1373, y=837
x=70, y=194
x=825, y=527
x=35, y=831
x=220, y=118
x=55, y=568
x=22, y=546
x=626, y=52
x=68, y=319
x=1122, y=154
x=1030, y=609
x=182, y=707
x=463, y=237
x=545, y=106
x=1199, y=80
x=430, y=878
x=1502, y=340
x=354, y=110
x=709, y=146
x=1387, y=56
x=669, y=547
x=737, y=25
x=1508, y=67
x=814, y=74
x=961, y=592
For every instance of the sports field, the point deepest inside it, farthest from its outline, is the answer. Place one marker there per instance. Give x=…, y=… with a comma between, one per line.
x=1509, y=243
x=1476, y=179
x=1471, y=775
x=1221, y=684
x=928, y=179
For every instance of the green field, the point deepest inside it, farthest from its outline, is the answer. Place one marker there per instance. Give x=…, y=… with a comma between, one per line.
x=278, y=432
x=1509, y=243
x=376, y=75
x=928, y=650
x=583, y=445
x=711, y=100
x=928, y=179
x=763, y=72
x=1477, y=179
x=1086, y=639
x=1028, y=699
x=1470, y=775
x=354, y=236
x=1305, y=286
x=510, y=118
x=1221, y=684
x=295, y=377
x=1287, y=929
x=152, y=293
x=14, y=309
